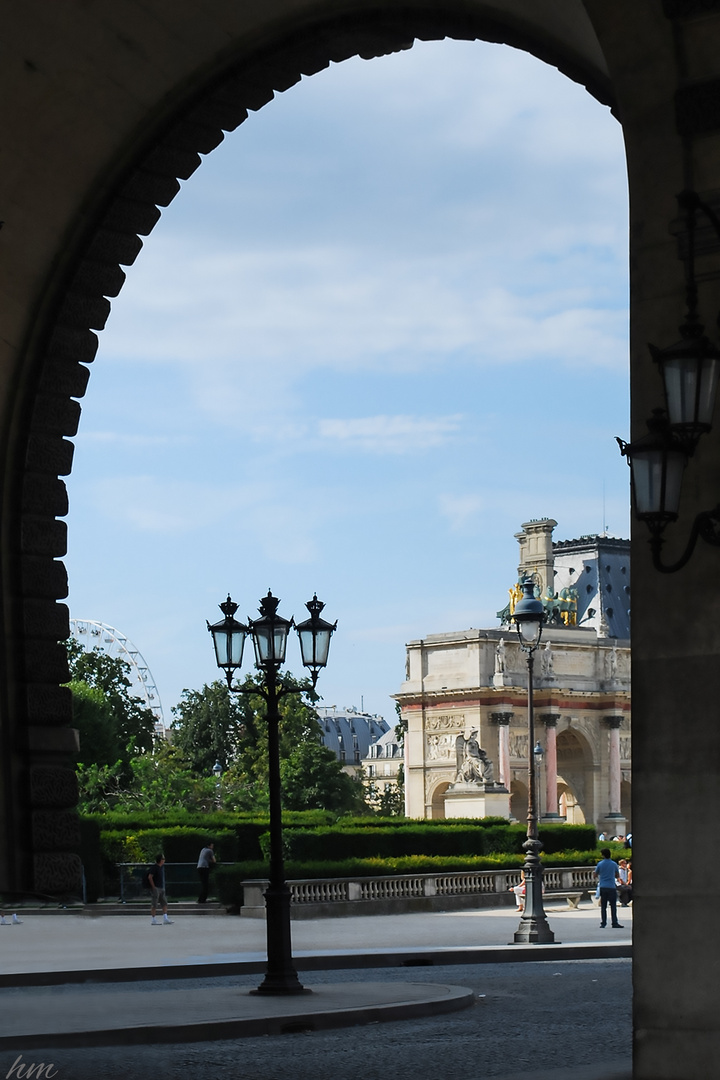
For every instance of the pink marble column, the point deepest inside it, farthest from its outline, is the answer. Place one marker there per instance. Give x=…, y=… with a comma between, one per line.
x=503, y=725
x=614, y=723
x=550, y=721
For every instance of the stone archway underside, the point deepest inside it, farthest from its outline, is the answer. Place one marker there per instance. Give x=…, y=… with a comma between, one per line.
x=122, y=206
x=106, y=105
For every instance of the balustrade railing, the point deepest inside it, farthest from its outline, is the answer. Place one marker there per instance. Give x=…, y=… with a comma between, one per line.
x=403, y=886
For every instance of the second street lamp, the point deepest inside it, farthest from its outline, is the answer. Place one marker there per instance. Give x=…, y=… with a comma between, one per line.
x=529, y=616
x=269, y=634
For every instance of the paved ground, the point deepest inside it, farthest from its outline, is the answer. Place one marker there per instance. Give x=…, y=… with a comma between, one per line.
x=71, y=942
x=554, y=1019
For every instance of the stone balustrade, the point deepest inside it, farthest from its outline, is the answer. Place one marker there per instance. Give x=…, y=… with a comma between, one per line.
x=397, y=893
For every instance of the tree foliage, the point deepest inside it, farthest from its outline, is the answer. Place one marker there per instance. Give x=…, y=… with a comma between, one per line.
x=214, y=724
x=313, y=779
x=113, y=724
x=210, y=726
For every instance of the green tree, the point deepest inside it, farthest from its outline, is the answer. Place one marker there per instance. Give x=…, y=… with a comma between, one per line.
x=113, y=723
x=211, y=725
x=165, y=780
x=313, y=779
x=214, y=724
x=100, y=741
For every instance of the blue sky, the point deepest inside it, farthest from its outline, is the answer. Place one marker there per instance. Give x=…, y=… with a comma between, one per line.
x=382, y=325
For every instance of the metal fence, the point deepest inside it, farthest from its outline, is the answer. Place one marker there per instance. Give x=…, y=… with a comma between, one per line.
x=181, y=880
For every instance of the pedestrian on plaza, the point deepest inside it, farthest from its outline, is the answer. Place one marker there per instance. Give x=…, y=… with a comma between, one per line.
x=607, y=871
x=624, y=882
x=205, y=864
x=156, y=881
x=519, y=891
x=13, y=922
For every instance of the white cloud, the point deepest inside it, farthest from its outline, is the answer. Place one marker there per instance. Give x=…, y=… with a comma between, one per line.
x=282, y=314
x=390, y=434
x=460, y=510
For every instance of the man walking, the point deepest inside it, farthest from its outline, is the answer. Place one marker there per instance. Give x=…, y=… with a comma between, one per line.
x=607, y=872
x=205, y=864
x=156, y=880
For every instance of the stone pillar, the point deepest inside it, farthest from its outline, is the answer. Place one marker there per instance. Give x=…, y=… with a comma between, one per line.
x=613, y=821
x=550, y=720
x=502, y=719
x=614, y=723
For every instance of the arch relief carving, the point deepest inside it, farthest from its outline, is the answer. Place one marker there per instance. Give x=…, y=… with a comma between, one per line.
x=518, y=746
x=440, y=747
x=447, y=722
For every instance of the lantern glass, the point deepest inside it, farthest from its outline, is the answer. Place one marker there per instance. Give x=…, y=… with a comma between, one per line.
x=314, y=645
x=270, y=633
x=657, y=473
x=270, y=643
x=691, y=384
x=314, y=635
x=529, y=630
x=228, y=638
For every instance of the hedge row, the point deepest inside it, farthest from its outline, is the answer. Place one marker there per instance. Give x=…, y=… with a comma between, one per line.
x=245, y=839
x=333, y=844
x=221, y=819
x=371, y=822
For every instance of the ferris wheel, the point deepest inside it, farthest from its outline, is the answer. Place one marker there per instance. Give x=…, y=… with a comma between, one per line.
x=106, y=639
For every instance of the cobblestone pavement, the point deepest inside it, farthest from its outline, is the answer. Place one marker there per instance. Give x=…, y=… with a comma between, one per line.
x=568, y=1020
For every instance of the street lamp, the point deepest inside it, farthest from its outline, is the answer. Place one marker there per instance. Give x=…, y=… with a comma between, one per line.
x=217, y=773
x=533, y=929
x=690, y=370
x=269, y=635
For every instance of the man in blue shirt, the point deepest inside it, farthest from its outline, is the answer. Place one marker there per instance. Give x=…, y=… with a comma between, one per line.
x=607, y=872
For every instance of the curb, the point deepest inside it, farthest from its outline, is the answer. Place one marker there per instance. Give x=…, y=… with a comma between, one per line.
x=281, y=1016
x=330, y=961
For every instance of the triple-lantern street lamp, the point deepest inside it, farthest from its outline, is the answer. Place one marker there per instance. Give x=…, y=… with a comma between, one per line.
x=529, y=616
x=269, y=635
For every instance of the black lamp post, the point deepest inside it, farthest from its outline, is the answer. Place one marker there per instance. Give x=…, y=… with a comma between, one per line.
x=217, y=773
x=533, y=929
x=690, y=370
x=269, y=635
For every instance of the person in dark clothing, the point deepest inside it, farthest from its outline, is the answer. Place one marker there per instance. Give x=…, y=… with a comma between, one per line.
x=156, y=879
x=206, y=862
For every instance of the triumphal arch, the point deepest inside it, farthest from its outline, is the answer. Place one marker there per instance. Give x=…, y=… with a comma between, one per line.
x=105, y=105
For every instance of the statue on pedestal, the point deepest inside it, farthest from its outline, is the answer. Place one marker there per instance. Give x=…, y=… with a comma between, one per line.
x=473, y=764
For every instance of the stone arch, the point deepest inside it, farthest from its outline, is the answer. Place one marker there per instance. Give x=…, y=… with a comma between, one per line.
x=518, y=800
x=121, y=208
x=575, y=777
x=62, y=246
x=437, y=800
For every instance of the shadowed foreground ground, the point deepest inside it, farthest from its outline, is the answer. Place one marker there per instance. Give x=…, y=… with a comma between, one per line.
x=540, y=1020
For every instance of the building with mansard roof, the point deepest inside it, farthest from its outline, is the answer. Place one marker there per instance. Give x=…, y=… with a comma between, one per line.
x=349, y=733
x=476, y=681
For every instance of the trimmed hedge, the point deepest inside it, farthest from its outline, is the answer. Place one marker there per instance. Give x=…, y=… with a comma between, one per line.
x=404, y=823
x=221, y=819
x=439, y=839
x=311, y=837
